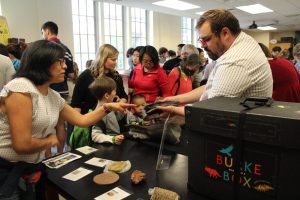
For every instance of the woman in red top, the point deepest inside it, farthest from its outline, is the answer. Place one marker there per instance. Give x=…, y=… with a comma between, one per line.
x=149, y=79
x=286, y=79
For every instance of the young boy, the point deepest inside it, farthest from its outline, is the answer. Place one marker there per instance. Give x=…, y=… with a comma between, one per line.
x=107, y=130
x=137, y=114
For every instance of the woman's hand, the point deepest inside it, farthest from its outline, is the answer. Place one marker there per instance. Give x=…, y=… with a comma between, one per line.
x=120, y=106
x=53, y=139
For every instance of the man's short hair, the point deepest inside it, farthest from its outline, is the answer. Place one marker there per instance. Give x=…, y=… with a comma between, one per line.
x=277, y=48
x=51, y=26
x=37, y=59
x=218, y=19
x=162, y=50
x=3, y=50
x=171, y=53
x=15, y=50
x=102, y=85
x=180, y=45
x=189, y=49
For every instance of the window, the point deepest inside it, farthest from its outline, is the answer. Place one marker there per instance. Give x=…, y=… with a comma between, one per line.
x=195, y=34
x=186, y=30
x=113, y=29
x=83, y=31
x=138, y=27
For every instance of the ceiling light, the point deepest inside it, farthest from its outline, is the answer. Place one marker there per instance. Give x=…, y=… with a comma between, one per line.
x=200, y=13
x=255, y=9
x=266, y=28
x=175, y=4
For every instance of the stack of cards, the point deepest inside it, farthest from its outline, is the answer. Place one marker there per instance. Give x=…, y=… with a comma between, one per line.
x=61, y=160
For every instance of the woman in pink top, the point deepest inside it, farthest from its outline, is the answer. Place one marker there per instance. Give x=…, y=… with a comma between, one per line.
x=148, y=78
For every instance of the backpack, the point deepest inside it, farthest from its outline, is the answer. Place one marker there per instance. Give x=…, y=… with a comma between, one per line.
x=80, y=137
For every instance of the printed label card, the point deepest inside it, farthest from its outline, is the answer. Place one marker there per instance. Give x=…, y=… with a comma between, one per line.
x=98, y=162
x=86, y=150
x=77, y=174
x=117, y=193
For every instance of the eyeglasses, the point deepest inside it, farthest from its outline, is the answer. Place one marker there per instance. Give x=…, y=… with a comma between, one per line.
x=150, y=62
x=62, y=61
x=205, y=40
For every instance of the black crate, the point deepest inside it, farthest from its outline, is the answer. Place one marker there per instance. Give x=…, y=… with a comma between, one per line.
x=269, y=149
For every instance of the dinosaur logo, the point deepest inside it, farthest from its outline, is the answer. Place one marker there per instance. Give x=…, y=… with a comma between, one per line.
x=227, y=150
x=212, y=172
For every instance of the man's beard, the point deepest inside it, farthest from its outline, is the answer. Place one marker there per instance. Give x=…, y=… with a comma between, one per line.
x=211, y=55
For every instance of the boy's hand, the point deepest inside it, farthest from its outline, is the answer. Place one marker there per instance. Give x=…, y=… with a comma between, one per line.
x=119, y=139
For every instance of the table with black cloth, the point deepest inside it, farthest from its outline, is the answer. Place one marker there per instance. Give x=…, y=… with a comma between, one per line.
x=142, y=157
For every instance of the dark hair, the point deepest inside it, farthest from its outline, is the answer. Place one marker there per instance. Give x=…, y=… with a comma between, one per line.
x=150, y=51
x=51, y=26
x=37, y=60
x=192, y=59
x=218, y=19
x=102, y=85
x=129, y=52
x=15, y=50
x=137, y=96
x=171, y=53
x=277, y=48
x=200, y=50
x=138, y=49
x=180, y=45
x=162, y=50
x=88, y=63
x=265, y=49
x=3, y=50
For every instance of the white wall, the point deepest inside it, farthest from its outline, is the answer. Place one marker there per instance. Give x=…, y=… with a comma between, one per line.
x=262, y=37
x=25, y=18
x=166, y=31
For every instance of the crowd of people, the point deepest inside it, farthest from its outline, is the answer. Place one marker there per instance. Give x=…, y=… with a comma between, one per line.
x=35, y=104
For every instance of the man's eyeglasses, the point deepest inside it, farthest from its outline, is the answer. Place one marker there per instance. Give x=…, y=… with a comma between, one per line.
x=147, y=62
x=205, y=40
x=62, y=61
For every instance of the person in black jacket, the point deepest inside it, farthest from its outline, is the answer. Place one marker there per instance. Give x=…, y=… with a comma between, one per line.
x=170, y=64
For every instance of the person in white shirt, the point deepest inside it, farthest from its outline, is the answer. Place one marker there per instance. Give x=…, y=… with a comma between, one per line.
x=6, y=70
x=241, y=68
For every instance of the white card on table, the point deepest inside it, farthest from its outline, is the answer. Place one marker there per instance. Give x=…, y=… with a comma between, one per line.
x=114, y=194
x=77, y=174
x=86, y=150
x=98, y=162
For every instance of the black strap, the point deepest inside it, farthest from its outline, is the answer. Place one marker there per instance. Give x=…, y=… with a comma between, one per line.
x=249, y=104
x=178, y=81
